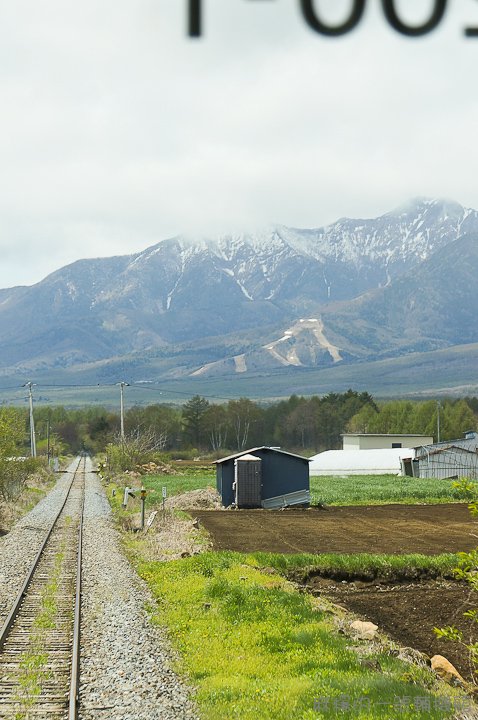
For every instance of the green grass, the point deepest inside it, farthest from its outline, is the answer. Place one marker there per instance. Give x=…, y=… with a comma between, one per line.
x=254, y=647
x=381, y=489
x=192, y=479
x=33, y=660
x=331, y=490
x=362, y=565
x=257, y=649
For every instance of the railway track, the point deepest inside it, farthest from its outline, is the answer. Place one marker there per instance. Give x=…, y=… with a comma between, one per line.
x=39, y=641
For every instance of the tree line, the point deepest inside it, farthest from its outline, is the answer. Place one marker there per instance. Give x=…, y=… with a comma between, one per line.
x=13, y=474
x=300, y=424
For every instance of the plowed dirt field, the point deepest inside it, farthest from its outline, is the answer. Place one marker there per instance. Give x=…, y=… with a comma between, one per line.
x=427, y=529
x=408, y=611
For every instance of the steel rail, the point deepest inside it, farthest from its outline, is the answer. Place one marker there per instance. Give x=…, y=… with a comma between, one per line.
x=19, y=598
x=75, y=661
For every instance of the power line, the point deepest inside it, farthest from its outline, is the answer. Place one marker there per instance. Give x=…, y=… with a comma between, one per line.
x=150, y=387
x=179, y=392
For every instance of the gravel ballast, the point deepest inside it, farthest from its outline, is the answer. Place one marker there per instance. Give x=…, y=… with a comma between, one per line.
x=125, y=665
x=125, y=671
x=19, y=547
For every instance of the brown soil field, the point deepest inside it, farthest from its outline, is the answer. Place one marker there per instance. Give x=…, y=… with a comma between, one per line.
x=407, y=611
x=427, y=529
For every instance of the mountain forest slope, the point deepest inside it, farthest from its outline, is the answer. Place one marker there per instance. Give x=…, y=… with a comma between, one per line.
x=266, y=304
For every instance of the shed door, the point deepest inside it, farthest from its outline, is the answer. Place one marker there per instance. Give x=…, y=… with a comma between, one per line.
x=248, y=482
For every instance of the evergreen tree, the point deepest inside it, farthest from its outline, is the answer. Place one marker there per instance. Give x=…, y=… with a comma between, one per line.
x=193, y=414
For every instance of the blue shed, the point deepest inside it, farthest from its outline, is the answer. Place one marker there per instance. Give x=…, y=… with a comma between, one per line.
x=263, y=477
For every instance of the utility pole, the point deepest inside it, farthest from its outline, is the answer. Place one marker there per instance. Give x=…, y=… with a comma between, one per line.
x=122, y=385
x=33, y=446
x=438, y=420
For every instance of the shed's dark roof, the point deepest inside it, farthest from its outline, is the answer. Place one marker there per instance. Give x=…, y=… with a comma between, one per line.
x=253, y=450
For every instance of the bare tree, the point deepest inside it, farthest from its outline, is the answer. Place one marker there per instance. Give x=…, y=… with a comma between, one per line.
x=125, y=453
x=216, y=421
x=243, y=413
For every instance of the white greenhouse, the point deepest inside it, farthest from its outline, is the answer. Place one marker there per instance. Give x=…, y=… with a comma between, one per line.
x=360, y=462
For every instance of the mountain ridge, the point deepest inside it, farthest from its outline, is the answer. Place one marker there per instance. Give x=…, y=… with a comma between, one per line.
x=353, y=291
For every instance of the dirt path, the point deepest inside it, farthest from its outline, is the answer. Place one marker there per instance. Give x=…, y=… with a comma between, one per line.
x=427, y=529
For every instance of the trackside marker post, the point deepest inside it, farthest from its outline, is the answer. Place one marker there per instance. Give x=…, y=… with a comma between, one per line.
x=143, y=503
x=128, y=492
x=150, y=520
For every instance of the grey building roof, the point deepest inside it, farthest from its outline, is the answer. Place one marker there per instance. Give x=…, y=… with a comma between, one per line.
x=468, y=444
x=441, y=450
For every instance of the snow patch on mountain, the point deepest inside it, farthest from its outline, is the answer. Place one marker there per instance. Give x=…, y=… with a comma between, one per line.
x=246, y=290
x=306, y=330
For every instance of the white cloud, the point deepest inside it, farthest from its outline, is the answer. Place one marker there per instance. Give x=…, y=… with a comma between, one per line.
x=117, y=130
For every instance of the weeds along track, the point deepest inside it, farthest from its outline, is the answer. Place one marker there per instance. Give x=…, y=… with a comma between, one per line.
x=39, y=642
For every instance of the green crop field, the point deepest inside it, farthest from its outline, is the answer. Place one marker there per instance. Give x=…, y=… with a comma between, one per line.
x=381, y=489
x=352, y=490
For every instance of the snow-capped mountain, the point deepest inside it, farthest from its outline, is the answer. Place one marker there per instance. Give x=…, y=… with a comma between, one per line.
x=284, y=297
x=345, y=258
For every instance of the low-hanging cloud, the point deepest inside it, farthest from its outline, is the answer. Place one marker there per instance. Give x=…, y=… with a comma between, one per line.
x=117, y=130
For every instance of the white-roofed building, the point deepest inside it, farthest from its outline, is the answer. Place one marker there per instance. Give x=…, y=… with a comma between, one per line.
x=376, y=441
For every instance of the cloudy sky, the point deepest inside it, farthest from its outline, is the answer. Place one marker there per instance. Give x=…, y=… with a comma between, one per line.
x=117, y=130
